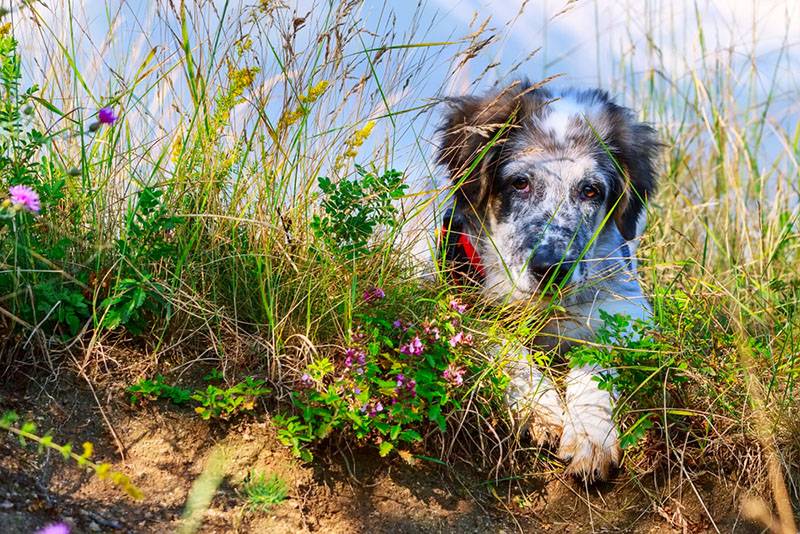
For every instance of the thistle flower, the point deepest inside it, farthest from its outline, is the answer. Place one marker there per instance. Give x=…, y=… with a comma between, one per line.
x=106, y=116
x=374, y=293
x=24, y=197
x=413, y=348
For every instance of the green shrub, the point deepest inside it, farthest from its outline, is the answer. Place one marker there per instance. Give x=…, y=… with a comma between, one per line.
x=352, y=210
x=392, y=384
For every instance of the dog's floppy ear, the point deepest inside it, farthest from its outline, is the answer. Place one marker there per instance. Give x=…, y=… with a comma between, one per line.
x=472, y=135
x=635, y=148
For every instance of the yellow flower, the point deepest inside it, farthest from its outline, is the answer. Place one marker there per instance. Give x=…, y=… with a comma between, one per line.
x=315, y=92
x=352, y=145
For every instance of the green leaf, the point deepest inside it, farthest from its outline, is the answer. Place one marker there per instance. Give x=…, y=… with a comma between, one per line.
x=385, y=448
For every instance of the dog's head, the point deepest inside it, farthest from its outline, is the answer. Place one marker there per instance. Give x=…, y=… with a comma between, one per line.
x=537, y=176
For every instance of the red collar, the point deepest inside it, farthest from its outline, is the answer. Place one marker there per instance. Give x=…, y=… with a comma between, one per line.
x=467, y=248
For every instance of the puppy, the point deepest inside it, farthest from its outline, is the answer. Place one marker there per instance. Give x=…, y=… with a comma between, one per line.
x=549, y=191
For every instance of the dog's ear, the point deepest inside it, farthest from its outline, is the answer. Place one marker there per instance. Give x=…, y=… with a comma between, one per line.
x=635, y=148
x=472, y=134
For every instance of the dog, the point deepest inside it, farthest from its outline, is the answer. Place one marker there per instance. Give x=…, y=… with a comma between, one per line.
x=549, y=189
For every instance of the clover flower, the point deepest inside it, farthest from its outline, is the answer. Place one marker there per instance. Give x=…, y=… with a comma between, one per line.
x=454, y=375
x=24, y=197
x=374, y=293
x=457, y=306
x=413, y=348
x=106, y=116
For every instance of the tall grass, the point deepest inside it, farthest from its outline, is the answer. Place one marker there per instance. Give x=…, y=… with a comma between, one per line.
x=185, y=227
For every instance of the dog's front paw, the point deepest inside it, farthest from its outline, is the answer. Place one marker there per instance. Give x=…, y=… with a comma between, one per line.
x=542, y=419
x=590, y=443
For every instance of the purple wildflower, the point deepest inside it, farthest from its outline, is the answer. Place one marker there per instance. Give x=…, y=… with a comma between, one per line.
x=356, y=391
x=25, y=197
x=379, y=407
x=106, y=116
x=413, y=348
x=55, y=528
x=398, y=323
x=411, y=386
x=400, y=380
x=353, y=354
x=306, y=380
x=374, y=293
x=457, y=306
x=454, y=375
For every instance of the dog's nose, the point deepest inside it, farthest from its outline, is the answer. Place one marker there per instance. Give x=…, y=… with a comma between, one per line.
x=548, y=268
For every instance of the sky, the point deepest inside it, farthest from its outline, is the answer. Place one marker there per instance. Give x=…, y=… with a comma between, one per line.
x=615, y=45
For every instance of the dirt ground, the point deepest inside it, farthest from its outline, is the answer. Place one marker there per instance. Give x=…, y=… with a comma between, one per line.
x=167, y=448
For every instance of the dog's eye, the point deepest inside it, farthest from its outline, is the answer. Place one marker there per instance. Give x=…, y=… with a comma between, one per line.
x=520, y=183
x=590, y=192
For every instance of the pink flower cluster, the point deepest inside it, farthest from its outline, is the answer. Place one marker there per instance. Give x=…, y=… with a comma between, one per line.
x=413, y=347
x=460, y=338
x=457, y=306
x=355, y=357
x=430, y=330
x=454, y=375
x=404, y=385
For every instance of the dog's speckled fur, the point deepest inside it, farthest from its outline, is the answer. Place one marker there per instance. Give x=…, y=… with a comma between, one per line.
x=551, y=186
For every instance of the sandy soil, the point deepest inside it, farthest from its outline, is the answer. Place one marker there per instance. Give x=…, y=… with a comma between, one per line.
x=343, y=491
